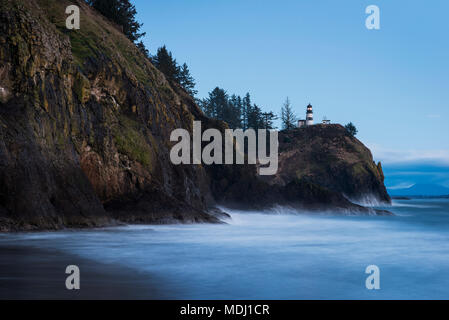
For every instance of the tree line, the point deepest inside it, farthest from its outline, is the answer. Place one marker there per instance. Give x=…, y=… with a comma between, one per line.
x=238, y=112
x=164, y=61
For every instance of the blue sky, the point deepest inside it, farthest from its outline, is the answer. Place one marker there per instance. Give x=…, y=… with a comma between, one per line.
x=393, y=83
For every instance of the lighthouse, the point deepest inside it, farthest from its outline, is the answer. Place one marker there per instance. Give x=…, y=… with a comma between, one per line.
x=309, y=115
x=309, y=118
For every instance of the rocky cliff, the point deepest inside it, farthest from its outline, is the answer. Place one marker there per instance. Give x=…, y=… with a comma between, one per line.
x=321, y=167
x=85, y=121
x=327, y=155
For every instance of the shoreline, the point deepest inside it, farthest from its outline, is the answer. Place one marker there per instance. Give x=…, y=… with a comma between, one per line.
x=30, y=273
x=219, y=216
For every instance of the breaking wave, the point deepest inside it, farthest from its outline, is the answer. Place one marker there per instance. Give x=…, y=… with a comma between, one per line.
x=368, y=200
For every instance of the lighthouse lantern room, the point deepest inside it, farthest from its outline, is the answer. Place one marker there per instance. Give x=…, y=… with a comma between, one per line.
x=309, y=115
x=309, y=118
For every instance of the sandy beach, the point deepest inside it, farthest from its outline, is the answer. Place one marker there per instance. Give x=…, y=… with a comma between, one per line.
x=33, y=273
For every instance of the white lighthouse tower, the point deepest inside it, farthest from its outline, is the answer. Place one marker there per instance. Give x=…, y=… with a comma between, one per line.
x=309, y=115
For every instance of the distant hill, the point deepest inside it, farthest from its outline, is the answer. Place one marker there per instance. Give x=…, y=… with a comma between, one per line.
x=421, y=190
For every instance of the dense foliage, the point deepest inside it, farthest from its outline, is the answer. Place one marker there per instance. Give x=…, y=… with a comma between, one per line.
x=238, y=112
x=164, y=61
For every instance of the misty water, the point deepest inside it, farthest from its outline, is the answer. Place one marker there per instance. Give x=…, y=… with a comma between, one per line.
x=277, y=255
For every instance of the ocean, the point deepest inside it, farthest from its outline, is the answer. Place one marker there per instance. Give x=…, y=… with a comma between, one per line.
x=278, y=254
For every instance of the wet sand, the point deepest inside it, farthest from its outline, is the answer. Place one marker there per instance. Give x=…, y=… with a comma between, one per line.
x=33, y=273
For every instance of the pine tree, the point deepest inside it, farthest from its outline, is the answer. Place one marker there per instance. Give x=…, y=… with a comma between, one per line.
x=287, y=116
x=254, y=117
x=218, y=100
x=268, y=119
x=238, y=113
x=219, y=106
x=186, y=80
x=246, y=109
x=164, y=61
x=235, y=110
x=141, y=46
x=123, y=13
x=351, y=129
x=206, y=107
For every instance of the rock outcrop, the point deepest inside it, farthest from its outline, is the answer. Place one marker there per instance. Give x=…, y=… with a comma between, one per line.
x=328, y=156
x=85, y=123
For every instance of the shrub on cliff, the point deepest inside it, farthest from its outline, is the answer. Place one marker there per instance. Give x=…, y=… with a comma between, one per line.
x=351, y=129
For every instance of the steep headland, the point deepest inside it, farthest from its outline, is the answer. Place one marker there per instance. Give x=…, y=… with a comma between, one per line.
x=321, y=167
x=327, y=155
x=85, y=121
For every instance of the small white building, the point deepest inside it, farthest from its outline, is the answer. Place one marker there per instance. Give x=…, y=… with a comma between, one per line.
x=301, y=123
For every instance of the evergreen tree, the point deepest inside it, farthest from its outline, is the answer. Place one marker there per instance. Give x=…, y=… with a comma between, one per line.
x=206, y=107
x=287, y=115
x=268, y=119
x=235, y=112
x=255, y=117
x=238, y=113
x=164, y=61
x=141, y=46
x=219, y=106
x=123, y=13
x=217, y=103
x=246, y=109
x=351, y=129
x=186, y=80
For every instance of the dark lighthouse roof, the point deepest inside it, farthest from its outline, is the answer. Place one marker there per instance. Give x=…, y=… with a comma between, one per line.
x=309, y=108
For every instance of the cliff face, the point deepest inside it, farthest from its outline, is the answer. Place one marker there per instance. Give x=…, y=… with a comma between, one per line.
x=327, y=155
x=85, y=122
